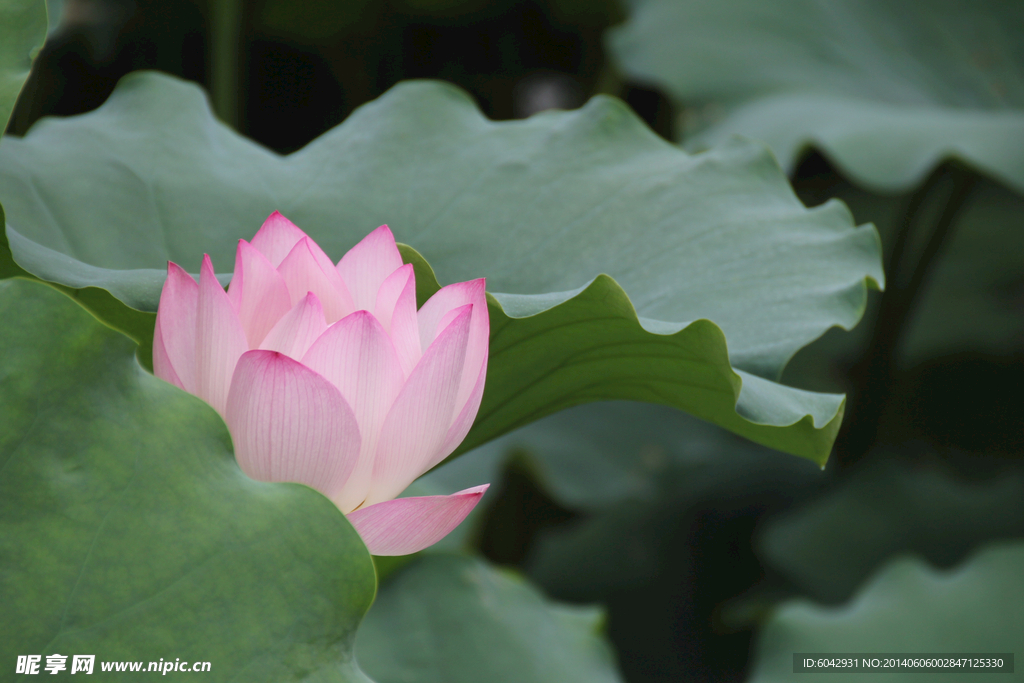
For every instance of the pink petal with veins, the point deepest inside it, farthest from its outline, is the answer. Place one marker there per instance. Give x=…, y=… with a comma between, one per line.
x=307, y=269
x=396, y=310
x=408, y=525
x=357, y=356
x=463, y=421
x=258, y=293
x=418, y=422
x=174, y=339
x=276, y=238
x=220, y=340
x=438, y=310
x=290, y=424
x=298, y=329
x=366, y=265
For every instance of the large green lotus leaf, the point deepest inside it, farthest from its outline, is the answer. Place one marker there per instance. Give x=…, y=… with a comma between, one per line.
x=540, y=207
x=128, y=531
x=453, y=619
x=909, y=607
x=884, y=90
x=22, y=31
x=831, y=546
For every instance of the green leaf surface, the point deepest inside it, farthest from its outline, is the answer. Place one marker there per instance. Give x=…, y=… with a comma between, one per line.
x=908, y=607
x=128, y=531
x=22, y=31
x=832, y=545
x=886, y=91
x=550, y=210
x=452, y=619
x=99, y=301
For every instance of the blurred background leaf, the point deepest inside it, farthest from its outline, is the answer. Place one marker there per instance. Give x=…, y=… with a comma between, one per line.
x=885, y=92
x=833, y=544
x=451, y=619
x=907, y=607
x=22, y=31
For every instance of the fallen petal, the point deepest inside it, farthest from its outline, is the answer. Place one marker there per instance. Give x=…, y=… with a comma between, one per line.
x=408, y=525
x=290, y=424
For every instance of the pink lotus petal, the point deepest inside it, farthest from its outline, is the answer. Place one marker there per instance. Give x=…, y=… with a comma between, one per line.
x=418, y=422
x=258, y=293
x=298, y=329
x=290, y=424
x=357, y=356
x=162, y=367
x=220, y=340
x=396, y=310
x=174, y=339
x=308, y=269
x=276, y=238
x=408, y=525
x=435, y=314
x=368, y=264
x=463, y=422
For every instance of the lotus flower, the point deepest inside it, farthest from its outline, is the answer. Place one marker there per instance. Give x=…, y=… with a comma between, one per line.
x=328, y=375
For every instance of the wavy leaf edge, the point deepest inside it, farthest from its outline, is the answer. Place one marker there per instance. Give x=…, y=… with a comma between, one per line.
x=20, y=256
x=830, y=139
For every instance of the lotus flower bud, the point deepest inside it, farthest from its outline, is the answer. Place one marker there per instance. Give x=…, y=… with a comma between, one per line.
x=329, y=376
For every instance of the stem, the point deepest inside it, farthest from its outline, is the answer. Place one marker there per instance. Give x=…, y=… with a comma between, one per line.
x=873, y=375
x=225, y=29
